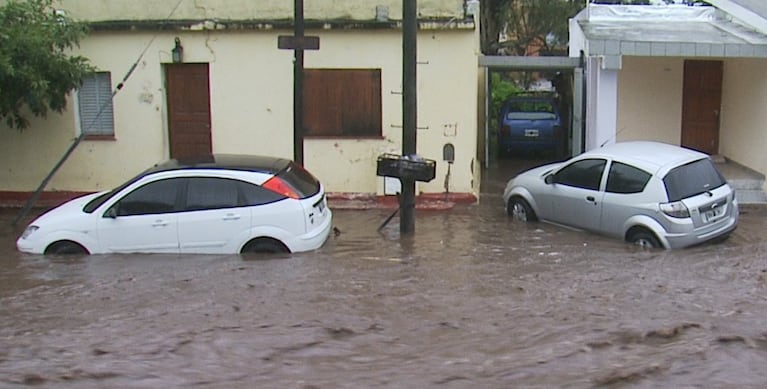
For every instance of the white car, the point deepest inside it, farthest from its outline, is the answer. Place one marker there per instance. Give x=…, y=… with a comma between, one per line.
x=220, y=204
x=649, y=193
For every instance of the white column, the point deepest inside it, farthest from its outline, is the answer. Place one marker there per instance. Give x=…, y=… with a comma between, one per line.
x=602, y=109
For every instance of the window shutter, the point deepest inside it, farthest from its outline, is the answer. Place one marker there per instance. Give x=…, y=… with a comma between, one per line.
x=95, y=105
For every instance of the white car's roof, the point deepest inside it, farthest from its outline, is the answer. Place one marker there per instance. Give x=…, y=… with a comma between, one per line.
x=655, y=157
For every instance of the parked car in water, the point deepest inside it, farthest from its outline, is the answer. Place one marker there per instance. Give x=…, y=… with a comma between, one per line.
x=531, y=123
x=648, y=193
x=214, y=204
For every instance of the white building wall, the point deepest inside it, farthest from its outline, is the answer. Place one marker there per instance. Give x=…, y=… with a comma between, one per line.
x=650, y=99
x=97, y=10
x=602, y=105
x=447, y=111
x=251, y=86
x=743, y=129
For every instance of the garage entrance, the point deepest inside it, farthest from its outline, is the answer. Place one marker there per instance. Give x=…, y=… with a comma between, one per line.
x=536, y=92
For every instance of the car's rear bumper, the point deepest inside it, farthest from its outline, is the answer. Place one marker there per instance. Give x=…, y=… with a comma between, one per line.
x=315, y=238
x=722, y=229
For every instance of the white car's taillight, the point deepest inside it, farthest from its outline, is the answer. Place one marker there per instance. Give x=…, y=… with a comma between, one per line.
x=675, y=209
x=280, y=186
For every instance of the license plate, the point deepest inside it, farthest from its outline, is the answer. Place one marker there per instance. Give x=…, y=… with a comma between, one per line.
x=713, y=214
x=531, y=133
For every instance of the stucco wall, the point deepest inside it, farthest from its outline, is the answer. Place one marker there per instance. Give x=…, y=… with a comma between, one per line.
x=139, y=117
x=251, y=108
x=99, y=10
x=650, y=99
x=743, y=117
x=447, y=91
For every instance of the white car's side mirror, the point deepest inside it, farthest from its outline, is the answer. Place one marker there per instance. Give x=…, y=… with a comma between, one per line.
x=111, y=213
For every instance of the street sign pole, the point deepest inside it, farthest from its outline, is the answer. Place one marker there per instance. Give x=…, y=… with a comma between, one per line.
x=298, y=43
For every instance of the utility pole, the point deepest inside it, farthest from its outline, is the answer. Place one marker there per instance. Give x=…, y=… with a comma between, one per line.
x=409, y=110
x=298, y=86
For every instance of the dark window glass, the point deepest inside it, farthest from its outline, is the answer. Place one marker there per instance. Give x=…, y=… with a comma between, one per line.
x=531, y=110
x=256, y=195
x=586, y=173
x=152, y=198
x=692, y=179
x=301, y=180
x=626, y=179
x=211, y=193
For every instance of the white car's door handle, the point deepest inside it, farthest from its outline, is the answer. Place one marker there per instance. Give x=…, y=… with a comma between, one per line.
x=232, y=216
x=160, y=223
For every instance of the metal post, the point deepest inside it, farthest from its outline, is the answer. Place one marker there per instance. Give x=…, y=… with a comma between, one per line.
x=298, y=86
x=409, y=110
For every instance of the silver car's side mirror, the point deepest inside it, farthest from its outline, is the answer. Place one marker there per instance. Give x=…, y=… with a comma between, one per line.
x=549, y=179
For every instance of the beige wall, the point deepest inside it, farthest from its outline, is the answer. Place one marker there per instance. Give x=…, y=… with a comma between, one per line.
x=743, y=132
x=650, y=105
x=139, y=123
x=251, y=108
x=447, y=93
x=98, y=10
x=650, y=99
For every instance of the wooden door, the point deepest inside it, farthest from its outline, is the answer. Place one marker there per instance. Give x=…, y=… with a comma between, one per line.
x=188, y=96
x=701, y=102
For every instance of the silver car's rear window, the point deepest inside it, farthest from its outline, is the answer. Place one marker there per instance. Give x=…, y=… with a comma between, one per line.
x=692, y=179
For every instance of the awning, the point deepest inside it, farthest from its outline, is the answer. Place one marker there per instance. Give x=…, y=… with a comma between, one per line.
x=669, y=30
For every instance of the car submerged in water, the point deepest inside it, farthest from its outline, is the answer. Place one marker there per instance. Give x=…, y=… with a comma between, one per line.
x=647, y=193
x=217, y=204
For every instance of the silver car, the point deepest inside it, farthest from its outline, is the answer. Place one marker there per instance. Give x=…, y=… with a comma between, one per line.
x=648, y=193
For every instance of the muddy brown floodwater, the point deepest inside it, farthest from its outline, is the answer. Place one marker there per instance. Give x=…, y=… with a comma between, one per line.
x=471, y=300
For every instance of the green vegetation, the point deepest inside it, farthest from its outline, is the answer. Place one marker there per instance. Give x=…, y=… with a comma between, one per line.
x=37, y=71
x=500, y=90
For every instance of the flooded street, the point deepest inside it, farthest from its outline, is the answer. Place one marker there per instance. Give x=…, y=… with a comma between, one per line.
x=472, y=299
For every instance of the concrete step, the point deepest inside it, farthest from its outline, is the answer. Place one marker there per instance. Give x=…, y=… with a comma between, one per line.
x=746, y=183
x=751, y=196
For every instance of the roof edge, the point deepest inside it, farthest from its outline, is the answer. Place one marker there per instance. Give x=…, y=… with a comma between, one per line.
x=742, y=14
x=265, y=25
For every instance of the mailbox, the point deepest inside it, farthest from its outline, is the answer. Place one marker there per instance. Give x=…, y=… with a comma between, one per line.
x=406, y=166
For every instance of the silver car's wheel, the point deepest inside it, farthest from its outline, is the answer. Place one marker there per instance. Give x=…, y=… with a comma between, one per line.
x=520, y=210
x=644, y=239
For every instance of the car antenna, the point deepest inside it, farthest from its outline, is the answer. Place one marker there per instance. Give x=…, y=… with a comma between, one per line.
x=612, y=138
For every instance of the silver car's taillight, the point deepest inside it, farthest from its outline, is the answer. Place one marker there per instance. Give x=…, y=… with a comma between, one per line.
x=675, y=209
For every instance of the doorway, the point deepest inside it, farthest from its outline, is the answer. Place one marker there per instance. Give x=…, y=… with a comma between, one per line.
x=701, y=104
x=188, y=97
